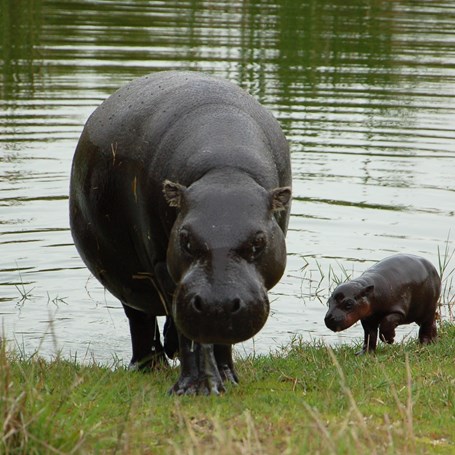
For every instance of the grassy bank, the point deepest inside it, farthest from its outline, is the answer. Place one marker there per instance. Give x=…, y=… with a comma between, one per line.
x=305, y=399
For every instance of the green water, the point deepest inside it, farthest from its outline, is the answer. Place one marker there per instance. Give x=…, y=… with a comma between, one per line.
x=364, y=90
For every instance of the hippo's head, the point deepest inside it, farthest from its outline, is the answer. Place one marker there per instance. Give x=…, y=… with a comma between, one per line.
x=225, y=251
x=348, y=304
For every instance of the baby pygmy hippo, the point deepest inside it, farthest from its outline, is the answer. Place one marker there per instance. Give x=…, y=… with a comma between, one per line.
x=397, y=290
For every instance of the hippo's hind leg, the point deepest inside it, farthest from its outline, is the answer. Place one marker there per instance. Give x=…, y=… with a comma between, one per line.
x=148, y=352
x=428, y=331
x=167, y=287
x=387, y=327
x=171, y=338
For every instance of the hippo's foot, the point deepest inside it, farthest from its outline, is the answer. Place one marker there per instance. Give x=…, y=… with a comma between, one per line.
x=200, y=374
x=223, y=356
x=427, y=340
x=387, y=337
x=188, y=385
x=228, y=374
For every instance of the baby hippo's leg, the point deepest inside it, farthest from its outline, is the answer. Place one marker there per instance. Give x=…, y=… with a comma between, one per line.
x=371, y=337
x=387, y=327
x=427, y=331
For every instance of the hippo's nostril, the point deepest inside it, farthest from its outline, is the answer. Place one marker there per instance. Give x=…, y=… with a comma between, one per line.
x=329, y=321
x=236, y=305
x=197, y=304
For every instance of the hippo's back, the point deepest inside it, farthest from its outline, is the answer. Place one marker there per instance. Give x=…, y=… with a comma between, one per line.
x=407, y=268
x=140, y=116
x=409, y=281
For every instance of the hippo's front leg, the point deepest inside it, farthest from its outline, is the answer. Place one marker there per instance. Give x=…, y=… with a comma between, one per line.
x=223, y=357
x=370, y=336
x=199, y=374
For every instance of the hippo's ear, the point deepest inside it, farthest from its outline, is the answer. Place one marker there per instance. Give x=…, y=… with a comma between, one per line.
x=280, y=198
x=367, y=290
x=173, y=193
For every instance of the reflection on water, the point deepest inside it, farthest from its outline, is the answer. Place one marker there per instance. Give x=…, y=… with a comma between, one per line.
x=365, y=91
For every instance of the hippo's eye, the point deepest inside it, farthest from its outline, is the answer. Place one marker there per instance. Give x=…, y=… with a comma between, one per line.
x=255, y=247
x=185, y=242
x=258, y=244
x=349, y=305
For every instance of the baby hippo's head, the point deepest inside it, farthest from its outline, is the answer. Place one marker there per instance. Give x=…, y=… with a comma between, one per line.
x=348, y=303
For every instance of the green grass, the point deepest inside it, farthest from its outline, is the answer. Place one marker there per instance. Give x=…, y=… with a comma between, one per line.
x=303, y=399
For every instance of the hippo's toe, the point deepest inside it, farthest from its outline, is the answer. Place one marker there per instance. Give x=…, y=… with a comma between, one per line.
x=197, y=386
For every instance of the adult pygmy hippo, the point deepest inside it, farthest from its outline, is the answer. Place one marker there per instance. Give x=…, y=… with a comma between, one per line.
x=179, y=205
x=397, y=290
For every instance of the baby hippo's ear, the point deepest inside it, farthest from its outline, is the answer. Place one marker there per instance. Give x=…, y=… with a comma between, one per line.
x=367, y=291
x=280, y=198
x=173, y=193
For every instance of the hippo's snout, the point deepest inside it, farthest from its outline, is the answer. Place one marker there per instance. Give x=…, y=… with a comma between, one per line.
x=338, y=319
x=209, y=317
x=331, y=323
x=230, y=306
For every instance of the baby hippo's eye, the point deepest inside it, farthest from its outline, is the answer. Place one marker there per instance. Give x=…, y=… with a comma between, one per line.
x=349, y=305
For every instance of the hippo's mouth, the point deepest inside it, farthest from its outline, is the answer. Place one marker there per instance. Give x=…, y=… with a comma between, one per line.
x=220, y=323
x=338, y=324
